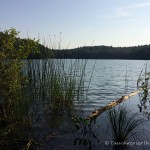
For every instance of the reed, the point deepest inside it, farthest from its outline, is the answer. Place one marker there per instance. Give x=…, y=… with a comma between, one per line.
x=47, y=99
x=143, y=83
x=54, y=87
x=124, y=124
x=35, y=93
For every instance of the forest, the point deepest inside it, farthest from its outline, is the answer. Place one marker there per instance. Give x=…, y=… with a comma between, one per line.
x=105, y=52
x=141, y=52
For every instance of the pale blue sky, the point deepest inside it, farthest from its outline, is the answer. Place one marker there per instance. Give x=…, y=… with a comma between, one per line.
x=81, y=22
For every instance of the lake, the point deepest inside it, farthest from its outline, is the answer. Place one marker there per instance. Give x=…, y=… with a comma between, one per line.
x=105, y=81
x=111, y=79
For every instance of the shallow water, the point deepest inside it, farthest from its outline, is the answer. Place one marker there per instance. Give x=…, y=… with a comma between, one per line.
x=107, y=80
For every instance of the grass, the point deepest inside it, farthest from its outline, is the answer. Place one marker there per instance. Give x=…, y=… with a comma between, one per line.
x=54, y=87
x=143, y=82
x=48, y=99
x=124, y=124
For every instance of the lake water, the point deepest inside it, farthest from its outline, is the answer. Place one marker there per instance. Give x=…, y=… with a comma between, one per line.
x=111, y=79
x=106, y=80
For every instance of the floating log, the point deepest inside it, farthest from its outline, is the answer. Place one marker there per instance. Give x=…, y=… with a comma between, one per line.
x=110, y=105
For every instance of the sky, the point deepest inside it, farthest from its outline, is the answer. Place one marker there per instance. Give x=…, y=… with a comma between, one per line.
x=77, y=23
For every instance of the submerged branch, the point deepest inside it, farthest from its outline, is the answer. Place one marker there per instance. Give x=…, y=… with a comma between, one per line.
x=99, y=111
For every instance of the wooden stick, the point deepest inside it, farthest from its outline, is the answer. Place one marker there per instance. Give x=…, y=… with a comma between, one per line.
x=97, y=112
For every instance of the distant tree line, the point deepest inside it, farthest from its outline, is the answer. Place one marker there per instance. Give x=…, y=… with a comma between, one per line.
x=105, y=52
x=87, y=52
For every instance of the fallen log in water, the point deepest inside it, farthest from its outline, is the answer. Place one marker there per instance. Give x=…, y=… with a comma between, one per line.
x=97, y=112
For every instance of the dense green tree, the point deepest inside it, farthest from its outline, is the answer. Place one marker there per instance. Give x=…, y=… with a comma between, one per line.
x=12, y=51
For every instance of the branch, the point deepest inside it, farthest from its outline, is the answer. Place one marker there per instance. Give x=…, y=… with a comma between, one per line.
x=99, y=111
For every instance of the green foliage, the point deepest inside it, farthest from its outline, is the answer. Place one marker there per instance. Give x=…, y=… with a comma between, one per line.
x=54, y=88
x=12, y=51
x=144, y=96
x=143, y=83
x=33, y=89
x=124, y=123
x=12, y=47
x=14, y=104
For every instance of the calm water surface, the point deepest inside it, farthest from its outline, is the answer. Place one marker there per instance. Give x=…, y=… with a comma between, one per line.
x=105, y=80
x=110, y=80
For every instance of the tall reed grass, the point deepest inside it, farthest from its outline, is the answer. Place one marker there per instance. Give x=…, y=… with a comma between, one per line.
x=48, y=99
x=124, y=125
x=54, y=88
x=143, y=83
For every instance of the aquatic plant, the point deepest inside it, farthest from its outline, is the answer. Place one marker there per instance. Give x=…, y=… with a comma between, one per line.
x=124, y=124
x=54, y=86
x=143, y=83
